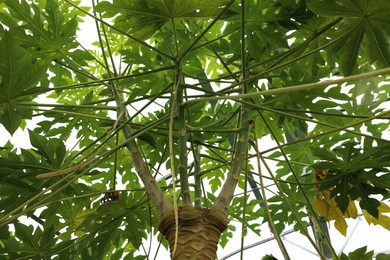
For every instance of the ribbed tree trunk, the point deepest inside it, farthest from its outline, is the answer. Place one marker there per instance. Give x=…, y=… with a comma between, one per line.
x=199, y=233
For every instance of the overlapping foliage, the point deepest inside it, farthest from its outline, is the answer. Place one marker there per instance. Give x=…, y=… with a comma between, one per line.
x=330, y=139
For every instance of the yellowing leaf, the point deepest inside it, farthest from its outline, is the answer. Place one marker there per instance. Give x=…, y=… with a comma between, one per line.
x=321, y=205
x=327, y=207
x=351, y=211
x=340, y=224
x=382, y=220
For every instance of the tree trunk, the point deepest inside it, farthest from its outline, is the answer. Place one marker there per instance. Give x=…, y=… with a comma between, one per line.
x=199, y=232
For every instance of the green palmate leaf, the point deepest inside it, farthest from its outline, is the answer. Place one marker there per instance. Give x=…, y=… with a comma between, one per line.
x=371, y=205
x=53, y=150
x=360, y=253
x=367, y=203
x=331, y=180
x=364, y=21
x=134, y=231
x=349, y=56
x=13, y=249
x=356, y=174
x=265, y=37
x=44, y=148
x=143, y=18
x=336, y=8
x=382, y=256
x=34, y=242
x=47, y=240
x=341, y=194
x=10, y=163
x=22, y=10
x=324, y=165
x=18, y=70
x=4, y=232
x=380, y=182
x=104, y=241
x=15, y=183
x=10, y=118
x=18, y=73
x=50, y=31
x=326, y=154
x=65, y=249
x=164, y=10
x=351, y=158
x=12, y=25
x=18, y=178
x=377, y=32
x=376, y=157
x=26, y=234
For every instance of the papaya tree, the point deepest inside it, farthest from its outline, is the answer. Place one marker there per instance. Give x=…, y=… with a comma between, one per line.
x=149, y=120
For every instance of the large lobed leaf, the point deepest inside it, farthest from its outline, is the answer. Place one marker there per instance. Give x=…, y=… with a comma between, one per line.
x=364, y=31
x=33, y=38
x=355, y=174
x=143, y=18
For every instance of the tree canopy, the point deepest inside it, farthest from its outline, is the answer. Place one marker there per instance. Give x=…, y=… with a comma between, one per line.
x=150, y=127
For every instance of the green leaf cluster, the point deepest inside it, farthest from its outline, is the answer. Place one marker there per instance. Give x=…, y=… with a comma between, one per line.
x=355, y=173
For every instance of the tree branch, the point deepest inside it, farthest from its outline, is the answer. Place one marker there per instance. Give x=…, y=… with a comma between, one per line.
x=155, y=194
x=226, y=195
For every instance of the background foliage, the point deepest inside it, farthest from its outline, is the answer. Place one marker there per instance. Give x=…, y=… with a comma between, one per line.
x=328, y=139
